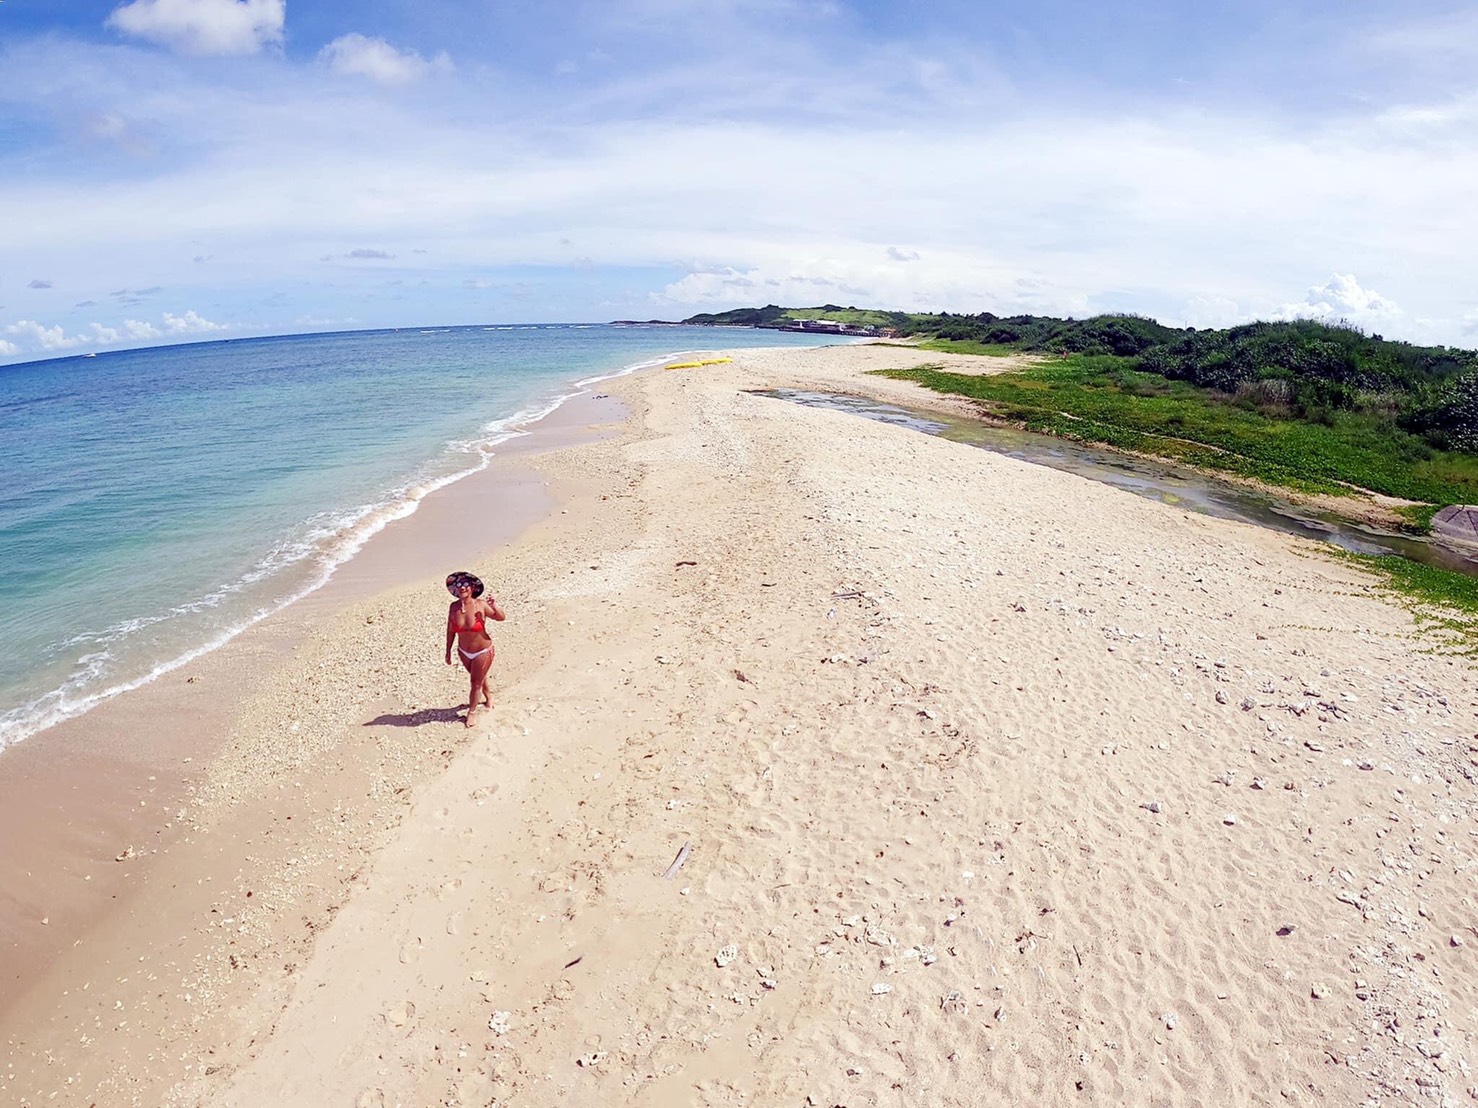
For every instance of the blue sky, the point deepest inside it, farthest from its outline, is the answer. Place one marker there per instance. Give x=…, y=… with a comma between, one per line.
x=185, y=169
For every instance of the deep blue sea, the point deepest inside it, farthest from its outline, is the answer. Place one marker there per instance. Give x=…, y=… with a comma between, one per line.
x=156, y=502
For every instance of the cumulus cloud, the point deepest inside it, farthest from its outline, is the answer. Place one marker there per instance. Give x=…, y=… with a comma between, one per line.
x=902, y=255
x=356, y=55
x=138, y=329
x=633, y=169
x=713, y=287
x=191, y=323
x=1212, y=311
x=1343, y=299
x=39, y=284
x=203, y=26
x=38, y=337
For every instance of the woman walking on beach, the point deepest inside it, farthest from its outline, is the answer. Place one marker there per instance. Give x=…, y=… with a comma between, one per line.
x=466, y=628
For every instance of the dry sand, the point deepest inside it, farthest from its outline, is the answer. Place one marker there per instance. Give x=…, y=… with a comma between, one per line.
x=997, y=786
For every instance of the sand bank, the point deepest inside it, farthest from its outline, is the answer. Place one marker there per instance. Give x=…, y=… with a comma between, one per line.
x=997, y=785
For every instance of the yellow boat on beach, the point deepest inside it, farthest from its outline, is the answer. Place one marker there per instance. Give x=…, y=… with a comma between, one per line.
x=695, y=365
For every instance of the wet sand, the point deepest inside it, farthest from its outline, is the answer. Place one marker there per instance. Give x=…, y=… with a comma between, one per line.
x=113, y=781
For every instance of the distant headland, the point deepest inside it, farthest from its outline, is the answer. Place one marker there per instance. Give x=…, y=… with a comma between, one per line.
x=1323, y=408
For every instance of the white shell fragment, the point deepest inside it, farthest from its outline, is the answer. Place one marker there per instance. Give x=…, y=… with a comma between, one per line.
x=725, y=955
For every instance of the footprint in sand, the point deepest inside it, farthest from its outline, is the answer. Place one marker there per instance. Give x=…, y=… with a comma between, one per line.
x=400, y=1014
x=371, y=1098
x=411, y=950
x=454, y=923
x=475, y=1090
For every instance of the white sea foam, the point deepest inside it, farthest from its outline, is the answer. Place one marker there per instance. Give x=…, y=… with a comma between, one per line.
x=327, y=542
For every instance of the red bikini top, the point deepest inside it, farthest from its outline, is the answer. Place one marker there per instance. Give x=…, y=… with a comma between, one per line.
x=479, y=628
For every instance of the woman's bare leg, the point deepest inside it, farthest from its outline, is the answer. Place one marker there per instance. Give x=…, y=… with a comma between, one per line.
x=477, y=669
x=471, y=668
x=487, y=690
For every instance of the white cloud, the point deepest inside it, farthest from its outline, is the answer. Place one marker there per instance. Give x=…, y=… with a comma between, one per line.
x=356, y=55
x=754, y=286
x=39, y=337
x=1236, y=210
x=189, y=324
x=138, y=330
x=1343, y=299
x=1340, y=299
x=1211, y=311
x=204, y=26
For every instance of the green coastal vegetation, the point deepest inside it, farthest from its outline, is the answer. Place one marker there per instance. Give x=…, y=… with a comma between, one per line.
x=772, y=315
x=1443, y=601
x=1308, y=406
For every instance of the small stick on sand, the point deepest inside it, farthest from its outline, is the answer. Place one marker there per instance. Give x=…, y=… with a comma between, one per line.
x=677, y=863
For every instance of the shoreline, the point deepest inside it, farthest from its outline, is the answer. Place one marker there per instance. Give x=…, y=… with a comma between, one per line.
x=961, y=748
x=498, y=438
x=77, y=801
x=78, y=796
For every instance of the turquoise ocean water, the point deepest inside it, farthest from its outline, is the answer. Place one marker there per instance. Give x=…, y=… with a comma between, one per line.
x=156, y=502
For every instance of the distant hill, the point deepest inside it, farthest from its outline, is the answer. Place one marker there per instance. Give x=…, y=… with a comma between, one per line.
x=1304, y=368
x=778, y=318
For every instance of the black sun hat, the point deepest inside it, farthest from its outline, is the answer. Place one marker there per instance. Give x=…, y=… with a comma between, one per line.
x=456, y=580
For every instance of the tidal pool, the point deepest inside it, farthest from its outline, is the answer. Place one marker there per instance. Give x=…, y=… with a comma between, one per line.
x=1180, y=486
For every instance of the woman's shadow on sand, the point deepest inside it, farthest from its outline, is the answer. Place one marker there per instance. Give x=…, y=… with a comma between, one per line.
x=416, y=719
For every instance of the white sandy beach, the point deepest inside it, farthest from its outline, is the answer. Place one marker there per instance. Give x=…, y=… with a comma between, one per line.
x=998, y=787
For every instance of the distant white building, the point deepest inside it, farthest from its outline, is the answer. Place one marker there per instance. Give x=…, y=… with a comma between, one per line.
x=829, y=327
